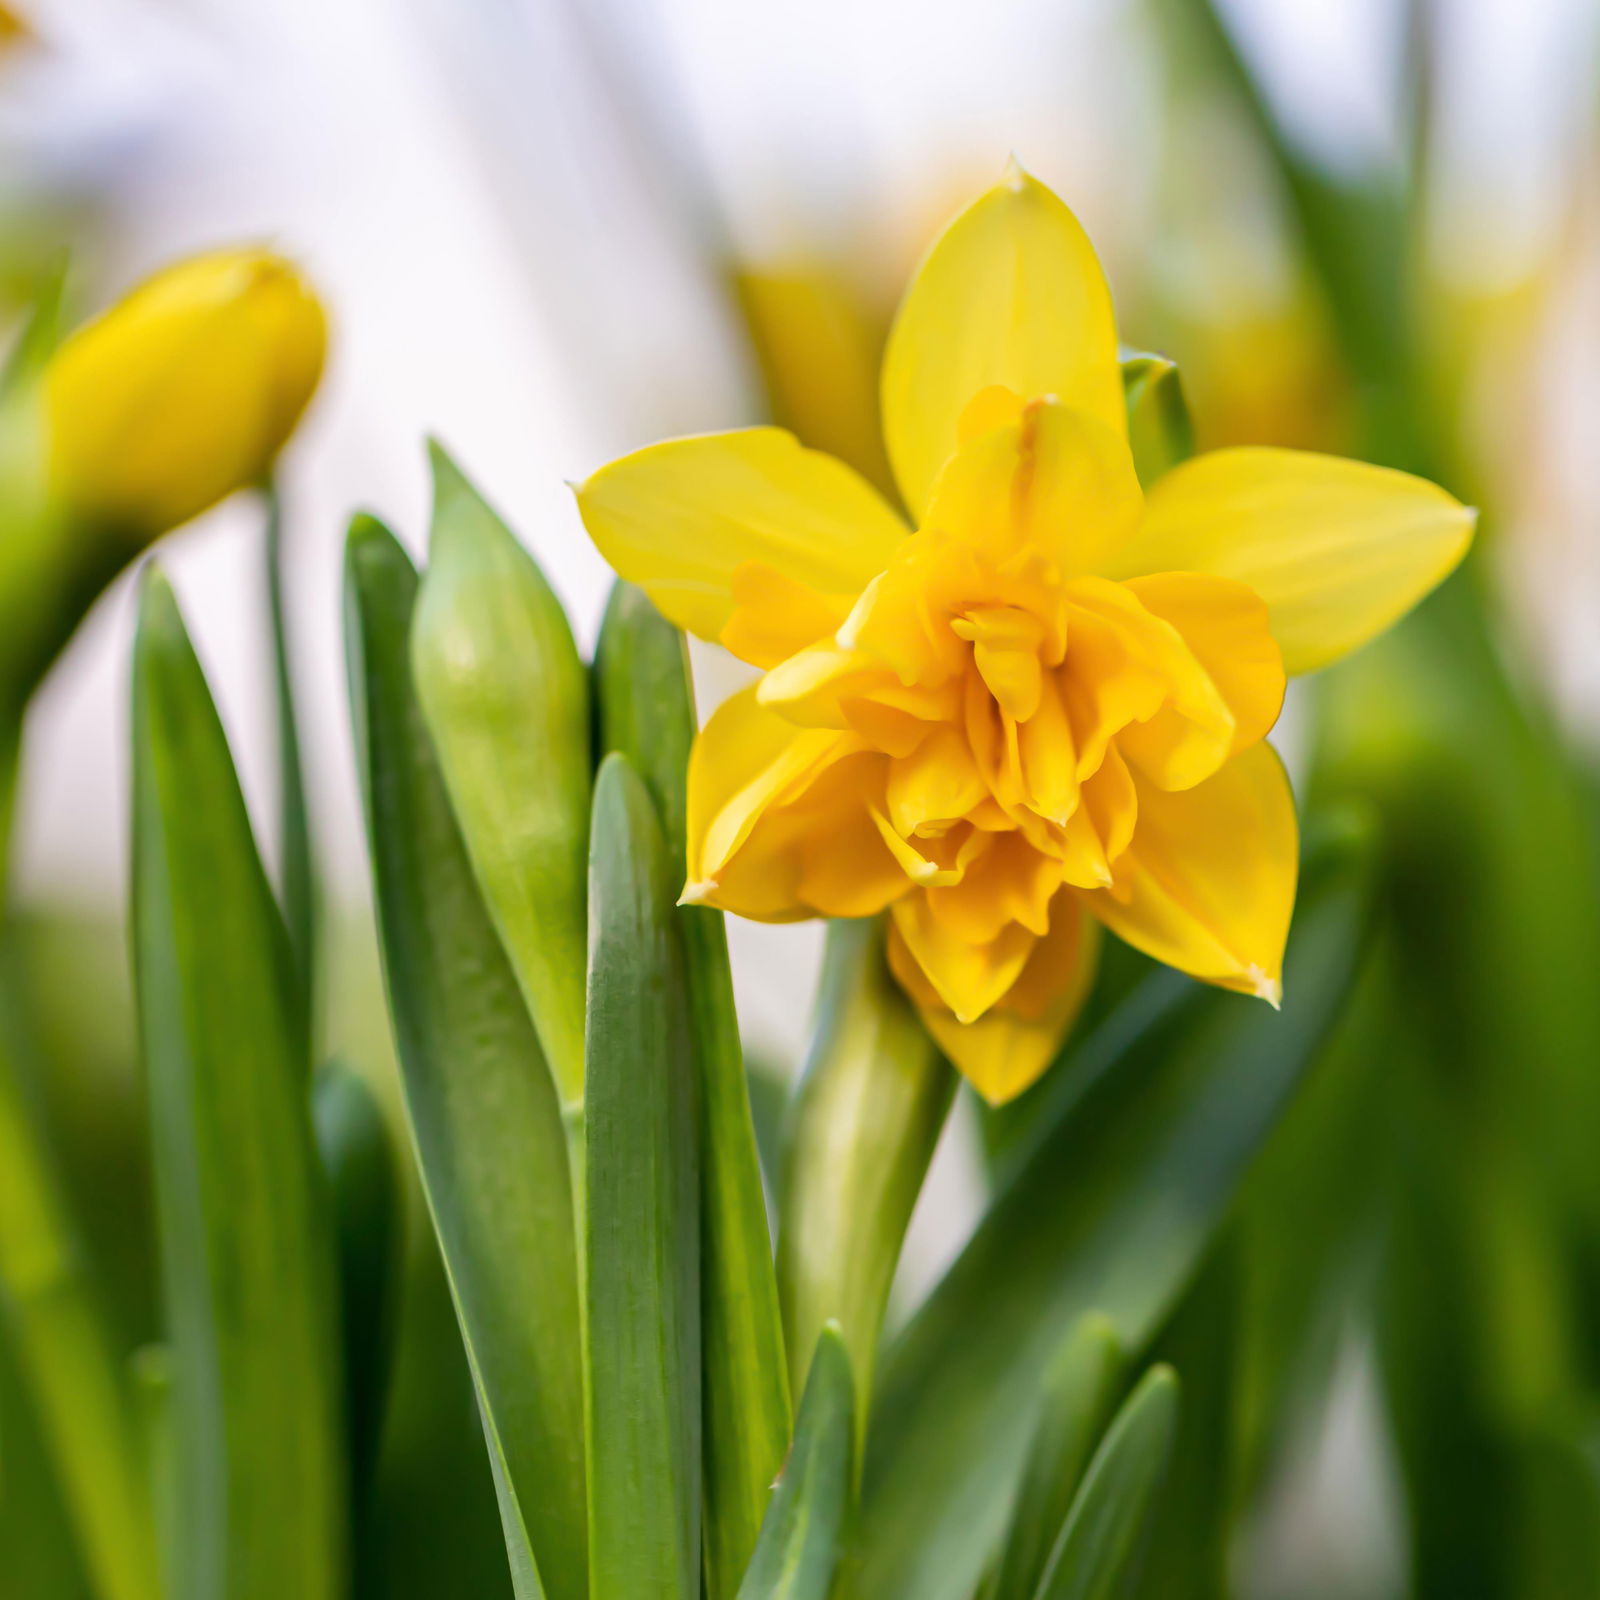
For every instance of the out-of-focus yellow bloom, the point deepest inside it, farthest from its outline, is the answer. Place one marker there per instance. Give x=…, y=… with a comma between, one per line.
x=817, y=342
x=1043, y=705
x=182, y=392
x=13, y=30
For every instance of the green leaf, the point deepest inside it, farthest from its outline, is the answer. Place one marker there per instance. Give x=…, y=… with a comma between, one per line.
x=1079, y=1393
x=1487, y=1022
x=41, y=332
x=643, y=1255
x=433, y=1530
x=863, y=1128
x=506, y=699
x=483, y=1109
x=297, y=885
x=1098, y=1542
x=1110, y=1207
x=800, y=1539
x=1160, y=433
x=1200, y=1499
x=646, y=707
x=368, y=1215
x=56, y=1323
x=246, y=1245
x=44, y=1555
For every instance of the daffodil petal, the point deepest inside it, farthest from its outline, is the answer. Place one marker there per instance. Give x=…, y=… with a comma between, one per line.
x=1056, y=479
x=846, y=867
x=939, y=783
x=1338, y=549
x=1208, y=883
x=775, y=617
x=1111, y=803
x=821, y=855
x=1009, y=882
x=752, y=773
x=1010, y=295
x=1228, y=630
x=968, y=977
x=920, y=868
x=1009, y=1046
x=681, y=518
x=805, y=689
x=1193, y=731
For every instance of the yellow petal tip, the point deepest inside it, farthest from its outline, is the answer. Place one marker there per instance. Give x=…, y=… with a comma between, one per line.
x=1266, y=988
x=1015, y=176
x=698, y=892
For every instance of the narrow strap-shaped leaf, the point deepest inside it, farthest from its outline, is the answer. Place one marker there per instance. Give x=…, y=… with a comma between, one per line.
x=1109, y=1206
x=507, y=703
x=643, y=1256
x=1101, y=1533
x=41, y=332
x=861, y=1133
x=246, y=1243
x=1078, y=1398
x=800, y=1539
x=353, y=1141
x=482, y=1108
x=297, y=886
x=43, y=1553
x=646, y=707
x=57, y=1332
x=1200, y=1499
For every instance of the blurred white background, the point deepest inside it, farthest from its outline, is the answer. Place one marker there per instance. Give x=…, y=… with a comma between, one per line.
x=503, y=204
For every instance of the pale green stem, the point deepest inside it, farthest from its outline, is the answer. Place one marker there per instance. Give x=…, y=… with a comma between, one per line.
x=863, y=1128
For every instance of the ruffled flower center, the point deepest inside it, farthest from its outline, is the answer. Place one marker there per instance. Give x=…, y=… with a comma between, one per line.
x=1014, y=709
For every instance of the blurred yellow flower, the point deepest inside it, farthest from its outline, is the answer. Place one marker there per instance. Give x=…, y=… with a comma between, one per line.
x=1043, y=709
x=13, y=29
x=182, y=392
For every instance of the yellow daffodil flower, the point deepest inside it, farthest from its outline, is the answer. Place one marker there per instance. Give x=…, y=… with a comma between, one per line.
x=1042, y=705
x=182, y=392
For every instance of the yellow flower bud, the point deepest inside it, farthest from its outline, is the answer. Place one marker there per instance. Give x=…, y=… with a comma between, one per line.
x=182, y=392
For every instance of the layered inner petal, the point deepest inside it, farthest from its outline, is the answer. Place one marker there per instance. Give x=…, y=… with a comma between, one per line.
x=781, y=819
x=968, y=977
x=1208, y=883
x=775, y=617
x=1052, y=479
x=1008, y=1048
x=1226, y=626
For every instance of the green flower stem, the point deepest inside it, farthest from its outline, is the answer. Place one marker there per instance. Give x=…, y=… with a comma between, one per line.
x=63, y=1344
x=862, y=1131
